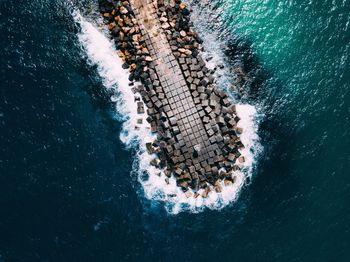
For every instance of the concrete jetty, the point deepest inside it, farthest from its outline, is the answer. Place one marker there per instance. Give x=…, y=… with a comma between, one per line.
x=196, y=123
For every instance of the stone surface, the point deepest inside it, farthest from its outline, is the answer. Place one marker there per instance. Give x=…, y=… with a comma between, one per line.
x=195, y=122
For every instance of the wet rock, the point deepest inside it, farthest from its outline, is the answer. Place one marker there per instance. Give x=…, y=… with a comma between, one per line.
x=163, y=19
x=228, y=182
x=206, y=192
x=155, y=162
x=241, y=159
x=182, y=6
x=217, y=187
x=165, y=26
x=148, y=59
x=149, y=148
x=239, y=130
x=140, y=108
x=123, y=10
x=183, y=33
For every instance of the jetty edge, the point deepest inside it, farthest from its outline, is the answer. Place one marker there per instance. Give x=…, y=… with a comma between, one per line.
x=195, y=122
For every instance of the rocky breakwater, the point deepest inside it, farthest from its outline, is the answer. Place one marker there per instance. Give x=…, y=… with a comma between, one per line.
x=196, y=123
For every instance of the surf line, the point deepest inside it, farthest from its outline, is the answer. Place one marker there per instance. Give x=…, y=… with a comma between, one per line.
x=196, y=126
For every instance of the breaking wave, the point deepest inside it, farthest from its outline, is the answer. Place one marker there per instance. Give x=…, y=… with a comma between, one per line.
x=101, y=53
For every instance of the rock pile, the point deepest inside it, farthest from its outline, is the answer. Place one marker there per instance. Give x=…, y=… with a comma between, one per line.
x=175, y=20
x=198, y=164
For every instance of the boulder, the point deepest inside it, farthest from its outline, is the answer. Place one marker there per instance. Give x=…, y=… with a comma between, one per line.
x=163, y=19
x=206, y=192
x=241, y=159
x=155, y=162
x=183, y=185
x=204, y=81
x=183, y=33
x=228, y=182
x=136, y=38
x=218, y=187
x=123, y=10
x=239, y=130
x=149, y=148
x=140, y=108
x=133, y=67
x=234, y=179
x=231, y=157
x=148, y=59
x=165, y=26
x=220, y=121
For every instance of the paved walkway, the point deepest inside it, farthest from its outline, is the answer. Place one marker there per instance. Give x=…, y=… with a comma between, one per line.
x=177, y=93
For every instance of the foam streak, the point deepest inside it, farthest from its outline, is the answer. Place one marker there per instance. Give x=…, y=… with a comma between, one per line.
x=101, y=53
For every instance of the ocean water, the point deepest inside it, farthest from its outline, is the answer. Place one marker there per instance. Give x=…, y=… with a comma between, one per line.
x=101, y=52
x=71, y=186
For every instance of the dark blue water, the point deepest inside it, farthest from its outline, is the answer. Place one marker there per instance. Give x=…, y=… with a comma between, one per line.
x=66, y=188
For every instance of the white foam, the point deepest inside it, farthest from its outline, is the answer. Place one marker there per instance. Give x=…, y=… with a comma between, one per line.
x=249, y=123
x=102, y=53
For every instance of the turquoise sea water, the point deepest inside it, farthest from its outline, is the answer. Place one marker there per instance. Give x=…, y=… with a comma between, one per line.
x=66, y=188
x=305, y=46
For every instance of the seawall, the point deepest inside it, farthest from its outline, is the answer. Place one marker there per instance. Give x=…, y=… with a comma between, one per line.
x=195, y=121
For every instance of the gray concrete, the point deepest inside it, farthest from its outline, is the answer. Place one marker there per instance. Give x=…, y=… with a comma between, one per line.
x=177, y=93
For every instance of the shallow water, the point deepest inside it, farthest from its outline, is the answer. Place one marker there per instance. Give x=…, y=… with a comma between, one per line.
x=67, y=187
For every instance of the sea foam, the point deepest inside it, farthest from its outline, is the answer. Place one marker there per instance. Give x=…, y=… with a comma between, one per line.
x=101, y=52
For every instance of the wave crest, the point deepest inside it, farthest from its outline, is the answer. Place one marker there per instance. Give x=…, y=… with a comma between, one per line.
x=101, y=53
